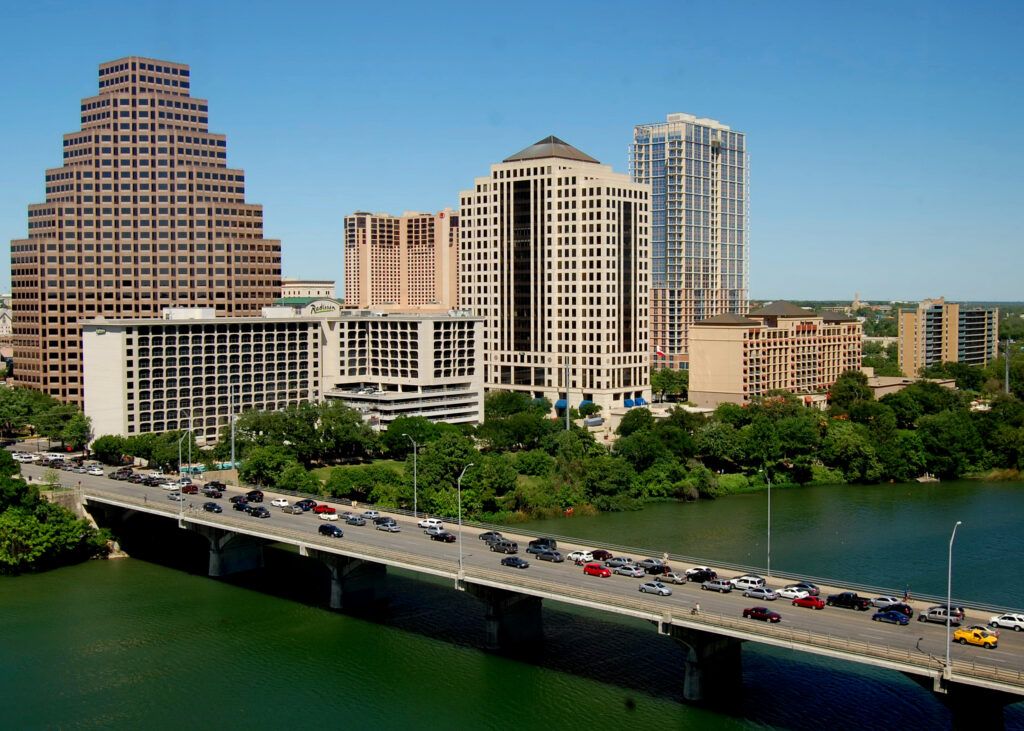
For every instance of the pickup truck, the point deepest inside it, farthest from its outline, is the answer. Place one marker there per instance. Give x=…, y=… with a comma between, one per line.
x=848, y=600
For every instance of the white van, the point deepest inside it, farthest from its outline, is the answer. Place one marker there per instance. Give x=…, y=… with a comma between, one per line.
x=431, y=523
x=747, y=582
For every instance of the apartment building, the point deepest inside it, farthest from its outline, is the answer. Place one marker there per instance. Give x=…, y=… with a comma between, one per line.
x=555, y=258
x=699, y=174
x=735, y=358
x=946, y=332
x=143, y=214
x=189, y=368
x=405, y=262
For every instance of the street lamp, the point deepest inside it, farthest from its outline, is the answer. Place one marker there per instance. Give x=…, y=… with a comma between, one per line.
x=460, y=513
x=949, y=600
x=415, y=446
x=181, y=508
x=769, y=478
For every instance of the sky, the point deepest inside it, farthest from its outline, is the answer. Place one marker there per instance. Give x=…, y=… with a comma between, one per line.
x=884, y=137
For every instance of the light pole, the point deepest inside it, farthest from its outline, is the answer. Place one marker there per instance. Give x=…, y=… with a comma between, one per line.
x=231, y=416
x=460, y=513
x=415, y=447
x=181, y=507
x=949, y=600
x=189, y=445
x=768, y=477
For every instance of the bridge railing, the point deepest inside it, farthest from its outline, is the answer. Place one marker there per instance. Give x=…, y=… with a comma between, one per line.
x=640, y=605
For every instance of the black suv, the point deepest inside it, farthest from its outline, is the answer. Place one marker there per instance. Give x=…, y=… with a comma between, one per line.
x=212, y=508
x=538, y=544
x=254, y=496
x=242, y=505
x=258, y=511
x=702, y=575
x=329, y=529
x=238, y=499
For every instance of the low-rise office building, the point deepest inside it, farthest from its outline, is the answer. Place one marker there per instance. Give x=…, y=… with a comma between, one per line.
x=191, y=369
x=735, y=358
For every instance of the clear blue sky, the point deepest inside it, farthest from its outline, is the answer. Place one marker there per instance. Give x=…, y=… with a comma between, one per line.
x=884, y=137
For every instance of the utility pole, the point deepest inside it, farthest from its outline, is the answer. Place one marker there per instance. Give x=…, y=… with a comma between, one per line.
x=567, y=427
x=231, y=416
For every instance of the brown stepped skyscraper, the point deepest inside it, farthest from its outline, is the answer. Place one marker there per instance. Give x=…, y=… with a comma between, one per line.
x=143, y=214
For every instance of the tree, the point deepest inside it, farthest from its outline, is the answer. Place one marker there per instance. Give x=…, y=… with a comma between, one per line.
x=760, y=440
x=608, y=482
x=264, y=466
x=667, y=381
x=640, y=450
x=342, y=433
x=951, y=443
x=109, y=449
x=851, y=387
x=394, y=442
x=296, y=477
x=77, y=431
x=500, y=404
x=635, y=420
x=51, y=423
x=847, y=448
x=718, y=444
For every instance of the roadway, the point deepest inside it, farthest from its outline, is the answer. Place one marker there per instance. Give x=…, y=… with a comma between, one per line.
x=919, y=643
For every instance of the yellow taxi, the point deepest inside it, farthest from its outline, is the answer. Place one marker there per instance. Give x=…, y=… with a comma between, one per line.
x=975, y=636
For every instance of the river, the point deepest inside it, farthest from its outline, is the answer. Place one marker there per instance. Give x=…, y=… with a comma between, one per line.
x=136, y=644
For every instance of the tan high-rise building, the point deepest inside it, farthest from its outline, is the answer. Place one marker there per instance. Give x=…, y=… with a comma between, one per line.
x=143, y=214
x=946, y=332
x=409, y=261
x=735, y=358
x=555, y=258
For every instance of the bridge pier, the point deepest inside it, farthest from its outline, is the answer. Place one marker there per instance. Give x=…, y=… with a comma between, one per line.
x=230, y=552
x=511, y=620
x=355, y=583
x=973, y=708
x=714, y=664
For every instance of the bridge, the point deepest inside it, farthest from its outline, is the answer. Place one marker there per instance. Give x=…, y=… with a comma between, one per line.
x=975, y=685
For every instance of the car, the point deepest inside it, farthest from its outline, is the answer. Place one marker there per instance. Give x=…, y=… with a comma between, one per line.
x=596, y=569
x=646, y=563
x=939, y=615
x=324, y=508
x=791, y=592
x=306, y=504
x=212, y=492
x=762, y=613
x=212, y=508
x=382, y=519
x=258, y=511
x=431, y=530
x=721, y=585
x=389, y=527
x=848, y=600
x=279, y=502
x=811, y=602
x=491, y=535
x=633, y=572
x=701, y=575
x=655, y=587
x=808, y=587
x=98, y=471
x=884, y=601
x=292, y=510
x=761, y=592
x=616, y=561
x=241, y=505
x=328, y=516
x=331, y=530
x=371, y=514
x=355, y=520
x=176, y=496
x=171, y=486
x=217, y=485
x=504, y=546
x=515, y=562
x=237, y=499
x=553, y=556
x=674, y=578
x=136, y=478
x=658, y=569
x=747, y=581
x=431, y=523
x=982, y=627
x=901, y=608
x=444, y=536
x=890, y=617
x=190, y=489
x=549, y=543
x=600, y=554
x=976, y=637
x=1010, y=621
x=580, y=557
x=255, y=496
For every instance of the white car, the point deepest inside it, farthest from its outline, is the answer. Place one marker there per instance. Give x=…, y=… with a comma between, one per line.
x=791, y=592
x=171, y=486
x=1010, y=621
x=885, y=601
x=156, y=473
x=328, y=516
x=98, y=471
x=279, y=502
x=747, y=582
x=580, y=557
x=431, y=523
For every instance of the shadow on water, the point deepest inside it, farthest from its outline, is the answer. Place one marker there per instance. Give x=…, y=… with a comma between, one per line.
x=782, y=688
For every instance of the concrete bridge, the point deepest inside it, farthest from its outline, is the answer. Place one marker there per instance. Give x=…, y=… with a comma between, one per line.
x=975, y=686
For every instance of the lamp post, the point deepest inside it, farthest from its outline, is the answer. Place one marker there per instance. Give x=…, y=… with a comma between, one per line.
x=415, y=447
x=460, y=513
x=949, y=600
x=181, y=508
x=768, y=477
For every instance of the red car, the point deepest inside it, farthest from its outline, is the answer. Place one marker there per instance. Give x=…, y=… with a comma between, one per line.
x=596, y=569
x=324, y=509
x=811, y=602
x=762, y=613
x=600, y=554
x=190, y=490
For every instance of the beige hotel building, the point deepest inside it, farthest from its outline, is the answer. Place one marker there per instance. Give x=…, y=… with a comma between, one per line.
x=405, y=262
x=555, y=258
x=143, y=213
x=735, y=358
